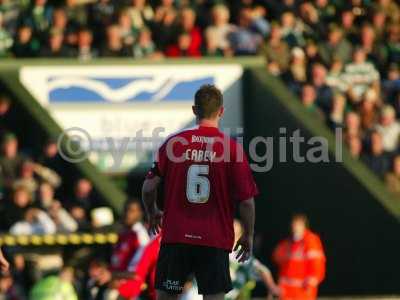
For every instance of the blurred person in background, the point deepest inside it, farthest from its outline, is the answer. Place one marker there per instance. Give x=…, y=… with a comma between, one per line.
x=276, y=51
x=182, y=47
x=374, y=52
x=10, y=10
x=114, y=46
x=292, y=30
x=324, y=92
x=5, y=116
x=336, y=46
x=55, y=287
x=189, y=39
x=144, y=46
x=220, y=28
x=301, y=262
x=352, y=125
x=25, y=45
x=164, y=5
x=245, y=275
x=252, y=28
x=31, y=174
x=211, y=42
x=80, y=203
x=16, y=207
x=334, y=78
x=55, y=46
x=390, y=8
x=391, y=87
x=9, y=289
x=50, y=157
x=279, y=7
x=59, y=20
x=336, y=116
x=354, y=143
x=393, y=43
x=360, y=75
x=376, y=158
x=83, y=195
x=133, y=237
x=126, y=29
x=38, y=16
x=141, y=14
x=379, y=22
x=6, y=40
x=347, y=24
x=144, y=272
x=368, y=110
x=98, y=286
x=312, y=54
x=296, y=75
x=310, y=19
x=35, y=221
x=165, y=29
x=81, y=218
x=392, y=179
x=326, y=10
x=101, y=15
x=46, y=202
x=76, y=12
x=389, y=128
x=308, y=99
x=10, y=160
x=187, y=23
x=85, y=45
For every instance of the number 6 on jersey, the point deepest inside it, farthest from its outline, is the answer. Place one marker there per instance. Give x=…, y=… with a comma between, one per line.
x=197, y=185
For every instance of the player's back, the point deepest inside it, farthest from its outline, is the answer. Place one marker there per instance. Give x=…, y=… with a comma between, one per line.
x=203, y=171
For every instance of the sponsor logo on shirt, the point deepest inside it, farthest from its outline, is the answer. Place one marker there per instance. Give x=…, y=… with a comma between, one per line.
x=192, y=236
x=202, y=139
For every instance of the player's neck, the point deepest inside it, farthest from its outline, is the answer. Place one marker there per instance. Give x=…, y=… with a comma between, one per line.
x=208, y=123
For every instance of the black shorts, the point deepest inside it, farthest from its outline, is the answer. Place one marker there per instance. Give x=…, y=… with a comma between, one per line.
x=177, y=263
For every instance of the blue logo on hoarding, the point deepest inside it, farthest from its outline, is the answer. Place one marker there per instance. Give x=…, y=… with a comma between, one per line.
x=122, y=89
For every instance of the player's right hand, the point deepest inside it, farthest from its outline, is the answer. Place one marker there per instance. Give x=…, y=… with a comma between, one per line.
x=155, y=222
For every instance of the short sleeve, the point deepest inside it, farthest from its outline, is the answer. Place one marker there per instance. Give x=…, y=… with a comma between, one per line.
x=160, y=163
x=243, y=184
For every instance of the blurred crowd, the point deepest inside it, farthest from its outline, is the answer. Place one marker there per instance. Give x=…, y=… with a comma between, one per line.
x=79, y=272
x=327, y=31
x=33, y=197
x=342, y=59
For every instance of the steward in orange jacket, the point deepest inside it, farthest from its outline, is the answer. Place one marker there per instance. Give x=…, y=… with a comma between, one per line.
x=301, y=262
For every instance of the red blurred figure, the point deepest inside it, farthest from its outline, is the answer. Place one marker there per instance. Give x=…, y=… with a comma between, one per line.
x=144, y=272
x=190, y=38
x=301, y=262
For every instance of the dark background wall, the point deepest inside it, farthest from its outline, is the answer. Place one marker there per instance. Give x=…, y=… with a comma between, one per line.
x=361, y=238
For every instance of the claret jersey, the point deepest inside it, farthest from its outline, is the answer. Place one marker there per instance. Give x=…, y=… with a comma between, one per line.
x=205, y=173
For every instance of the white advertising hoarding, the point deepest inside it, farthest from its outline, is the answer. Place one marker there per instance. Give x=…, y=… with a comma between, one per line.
x=119, y=102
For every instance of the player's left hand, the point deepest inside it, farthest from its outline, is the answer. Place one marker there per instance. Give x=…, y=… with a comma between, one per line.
x=155, y=221
x=245, y=247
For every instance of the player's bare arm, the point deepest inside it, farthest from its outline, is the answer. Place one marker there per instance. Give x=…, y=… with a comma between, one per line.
x=245, y=242
x=149, y=196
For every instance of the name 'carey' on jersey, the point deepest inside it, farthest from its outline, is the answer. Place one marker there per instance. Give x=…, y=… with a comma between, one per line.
x=200, y=155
